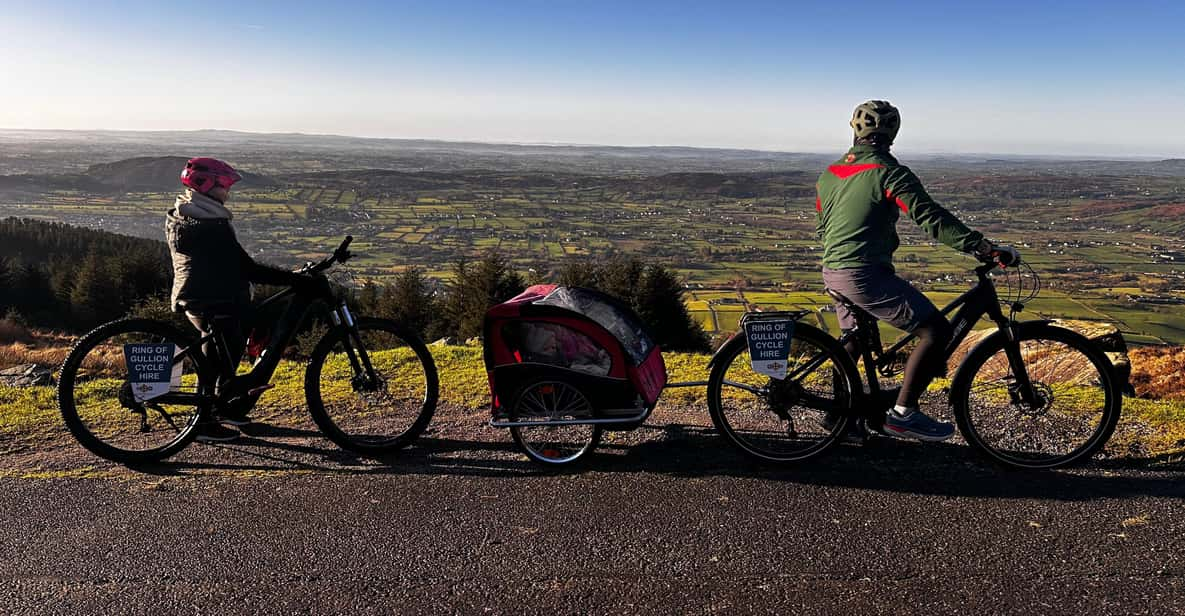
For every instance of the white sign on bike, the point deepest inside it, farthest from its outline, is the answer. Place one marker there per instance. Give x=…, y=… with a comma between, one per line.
x=151, y=370
x=769, y=346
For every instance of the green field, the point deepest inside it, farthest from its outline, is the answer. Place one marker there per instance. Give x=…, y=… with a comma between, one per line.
x=763, y=244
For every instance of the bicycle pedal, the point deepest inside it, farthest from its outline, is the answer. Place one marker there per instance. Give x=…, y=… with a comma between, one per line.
x=255, y=391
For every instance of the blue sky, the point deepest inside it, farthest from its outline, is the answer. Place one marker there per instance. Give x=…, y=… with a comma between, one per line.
x=1088, y=78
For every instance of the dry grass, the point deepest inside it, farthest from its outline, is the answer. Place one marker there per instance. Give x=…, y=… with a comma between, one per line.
x=1159, y=372
x=50, y=349
x=37, y=348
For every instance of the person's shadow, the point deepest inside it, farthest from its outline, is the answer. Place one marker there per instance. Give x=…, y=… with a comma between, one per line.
x=882, y=463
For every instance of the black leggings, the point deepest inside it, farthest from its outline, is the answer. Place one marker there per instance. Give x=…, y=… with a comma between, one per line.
x=927, y=361
x=230, y=328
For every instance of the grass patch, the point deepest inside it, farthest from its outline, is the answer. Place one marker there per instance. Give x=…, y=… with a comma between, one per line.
x=30, y=415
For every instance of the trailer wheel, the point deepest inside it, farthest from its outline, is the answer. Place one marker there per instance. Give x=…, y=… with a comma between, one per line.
x=550, y=400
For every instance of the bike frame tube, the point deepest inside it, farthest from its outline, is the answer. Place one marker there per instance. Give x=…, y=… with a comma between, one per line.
x=981, y=299
x=289, y=323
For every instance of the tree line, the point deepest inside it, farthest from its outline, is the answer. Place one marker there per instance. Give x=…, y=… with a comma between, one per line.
x=69, y=278
x=66, y=278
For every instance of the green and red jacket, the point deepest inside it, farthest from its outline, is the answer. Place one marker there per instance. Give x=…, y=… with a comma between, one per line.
x=858, y=201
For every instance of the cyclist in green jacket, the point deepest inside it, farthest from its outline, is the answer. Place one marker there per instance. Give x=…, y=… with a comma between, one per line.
x=860, y=198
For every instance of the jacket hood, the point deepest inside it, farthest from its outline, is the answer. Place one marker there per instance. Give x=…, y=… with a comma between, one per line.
x=193, y=204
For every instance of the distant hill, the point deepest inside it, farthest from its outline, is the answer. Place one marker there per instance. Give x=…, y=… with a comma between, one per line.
x=17, y=186
x=140, y=174
x=154, y=174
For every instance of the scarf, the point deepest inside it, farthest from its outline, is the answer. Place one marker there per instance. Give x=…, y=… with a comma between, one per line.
x=196, y=205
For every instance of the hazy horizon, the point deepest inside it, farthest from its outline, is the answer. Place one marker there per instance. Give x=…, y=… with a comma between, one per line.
x=1017, y=78
x=561, y=144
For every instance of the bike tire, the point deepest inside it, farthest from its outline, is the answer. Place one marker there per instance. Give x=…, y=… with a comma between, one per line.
x=974, y=363
x=331, y=429
x=68, y=382
x=838, y=357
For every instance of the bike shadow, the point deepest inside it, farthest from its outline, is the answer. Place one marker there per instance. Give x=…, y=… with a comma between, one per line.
x=882, y=464
x=893, y=465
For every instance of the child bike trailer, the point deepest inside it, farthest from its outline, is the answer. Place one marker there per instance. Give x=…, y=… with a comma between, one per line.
x=566, y=363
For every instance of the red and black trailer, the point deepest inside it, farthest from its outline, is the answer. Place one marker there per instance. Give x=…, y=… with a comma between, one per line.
x=565, y=363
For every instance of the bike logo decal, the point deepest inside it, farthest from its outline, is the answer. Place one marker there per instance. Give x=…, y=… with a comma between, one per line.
x=769, y=346
x=151, y=371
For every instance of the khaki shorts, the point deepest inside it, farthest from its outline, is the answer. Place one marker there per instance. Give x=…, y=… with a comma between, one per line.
x=880, y=292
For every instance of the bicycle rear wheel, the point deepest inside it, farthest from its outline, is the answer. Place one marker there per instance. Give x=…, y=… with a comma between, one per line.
x=120, y=420
x=365, y=416
x=1059, y=406
x=788, y=420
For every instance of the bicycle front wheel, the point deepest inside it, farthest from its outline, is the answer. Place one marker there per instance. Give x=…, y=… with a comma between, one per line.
x=1053, y=403
x=784, y=420
x=117, y=415
x=367, y=415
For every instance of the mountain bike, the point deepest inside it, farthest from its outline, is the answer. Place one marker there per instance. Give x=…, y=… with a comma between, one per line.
x=136, y=390
x=1029, y=395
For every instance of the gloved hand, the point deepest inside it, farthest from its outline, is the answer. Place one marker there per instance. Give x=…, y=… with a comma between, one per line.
x=987, y=252
x=315, y=285
x=1006, y=256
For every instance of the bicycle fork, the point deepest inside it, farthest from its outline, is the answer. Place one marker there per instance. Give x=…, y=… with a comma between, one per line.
x=365, y=378
x=1021, y=389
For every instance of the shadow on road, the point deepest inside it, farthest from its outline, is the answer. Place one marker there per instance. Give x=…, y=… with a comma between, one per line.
x=691, y=451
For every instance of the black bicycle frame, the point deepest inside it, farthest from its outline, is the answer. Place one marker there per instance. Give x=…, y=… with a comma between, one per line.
x=979, y=300
x=295, y=315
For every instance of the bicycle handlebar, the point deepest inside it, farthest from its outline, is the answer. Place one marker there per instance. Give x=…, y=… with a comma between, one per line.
x=341, y=255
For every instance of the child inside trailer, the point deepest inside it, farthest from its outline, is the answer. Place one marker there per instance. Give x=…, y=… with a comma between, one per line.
x=550, y=343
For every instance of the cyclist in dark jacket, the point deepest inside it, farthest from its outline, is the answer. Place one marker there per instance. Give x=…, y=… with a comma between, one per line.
x=860, y=198
x=212, y=273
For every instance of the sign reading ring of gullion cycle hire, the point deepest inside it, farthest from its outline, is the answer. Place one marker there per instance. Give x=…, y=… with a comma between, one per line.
x=151, y=371
x=769, y=346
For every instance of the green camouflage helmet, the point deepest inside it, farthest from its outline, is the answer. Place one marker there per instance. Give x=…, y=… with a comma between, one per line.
x=876, y=118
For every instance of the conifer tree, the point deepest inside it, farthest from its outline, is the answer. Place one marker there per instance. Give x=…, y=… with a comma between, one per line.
x=93, y=298
x=660, y=304
x=475, y=287
x=409, y=299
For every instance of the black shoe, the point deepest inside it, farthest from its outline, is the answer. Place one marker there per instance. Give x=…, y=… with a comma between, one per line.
x=237, y=420
x=235, y=411
x=917, y=425
x=214, y=432
x=854, y=434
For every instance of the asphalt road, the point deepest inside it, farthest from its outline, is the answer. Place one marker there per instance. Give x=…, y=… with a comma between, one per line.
x=667, y=520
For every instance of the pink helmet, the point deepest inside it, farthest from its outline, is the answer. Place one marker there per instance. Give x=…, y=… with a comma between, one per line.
x=203, y=174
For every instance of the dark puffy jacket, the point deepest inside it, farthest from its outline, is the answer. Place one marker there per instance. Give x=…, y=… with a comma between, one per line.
x=211, y=268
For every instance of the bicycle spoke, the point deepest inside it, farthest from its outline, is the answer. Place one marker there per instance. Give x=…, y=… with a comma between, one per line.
x=102, y=405
x=373, y=391
x=1053, y=417
x=779, y=419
